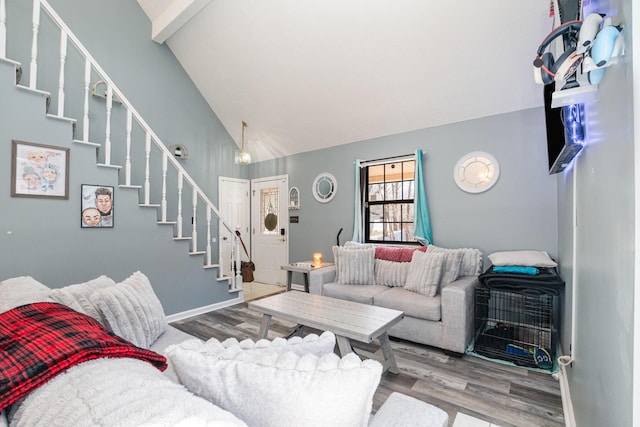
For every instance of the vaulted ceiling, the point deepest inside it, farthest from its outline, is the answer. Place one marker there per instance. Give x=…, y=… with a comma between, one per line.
x=310, y=74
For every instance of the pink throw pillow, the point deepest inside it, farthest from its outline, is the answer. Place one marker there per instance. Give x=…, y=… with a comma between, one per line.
x=397, y=254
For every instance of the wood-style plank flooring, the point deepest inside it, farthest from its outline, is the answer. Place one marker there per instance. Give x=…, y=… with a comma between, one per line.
x=503, y=395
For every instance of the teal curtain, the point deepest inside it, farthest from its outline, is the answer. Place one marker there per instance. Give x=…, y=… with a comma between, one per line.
x=422, y=224
x=358, y=222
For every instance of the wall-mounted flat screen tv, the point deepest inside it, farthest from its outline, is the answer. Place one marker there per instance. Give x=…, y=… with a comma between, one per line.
x=565, y=131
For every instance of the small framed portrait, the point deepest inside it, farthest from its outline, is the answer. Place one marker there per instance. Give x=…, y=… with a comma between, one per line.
x=39, y=170
x=96, y=206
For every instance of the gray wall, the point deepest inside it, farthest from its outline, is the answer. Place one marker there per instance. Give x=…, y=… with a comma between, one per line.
x=519, y=212
x=603, y=282
x=42, y=238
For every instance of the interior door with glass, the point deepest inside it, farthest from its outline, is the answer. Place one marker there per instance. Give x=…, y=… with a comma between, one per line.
x=270, y=228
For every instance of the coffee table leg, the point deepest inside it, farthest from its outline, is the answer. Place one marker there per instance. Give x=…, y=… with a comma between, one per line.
x=344, y=346
x=264, y=326
x=289, y=279
x=389, y=358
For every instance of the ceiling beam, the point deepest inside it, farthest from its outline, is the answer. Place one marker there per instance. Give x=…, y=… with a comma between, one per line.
x=177, y=13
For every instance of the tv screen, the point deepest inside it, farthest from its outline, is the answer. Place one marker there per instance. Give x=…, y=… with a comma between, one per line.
x=565, y=131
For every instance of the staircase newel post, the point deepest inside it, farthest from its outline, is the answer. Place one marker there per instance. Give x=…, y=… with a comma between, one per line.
x=238, y=280
x=147, y=154
x=127, y=163
x=87, y=83
x=163, y=202
x=194, y=221
x=179, y=218
x=63, y=59
x=33, y=70
x=3, y=29
x=208, y=235
x=107, y=136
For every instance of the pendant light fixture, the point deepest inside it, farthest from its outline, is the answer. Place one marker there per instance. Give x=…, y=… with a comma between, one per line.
x=243, y=157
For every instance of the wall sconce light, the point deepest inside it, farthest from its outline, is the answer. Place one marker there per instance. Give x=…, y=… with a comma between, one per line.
x=179, y=151
x=317, y=259
x=243, y=157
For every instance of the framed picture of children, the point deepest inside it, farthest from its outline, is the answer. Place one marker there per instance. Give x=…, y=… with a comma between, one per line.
x=96, y=206
x=39, y=170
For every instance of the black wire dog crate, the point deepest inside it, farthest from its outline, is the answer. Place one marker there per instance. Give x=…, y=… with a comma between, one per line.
x=517, y=318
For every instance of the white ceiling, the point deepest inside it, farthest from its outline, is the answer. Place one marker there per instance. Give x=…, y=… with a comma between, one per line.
x=311, y=74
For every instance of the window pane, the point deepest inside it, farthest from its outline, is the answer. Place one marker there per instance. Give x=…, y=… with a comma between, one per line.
x=408, y=232
x=376, y=174
x=376, y=192
x=407, y=212
x=375, y=213
x=393, y=212
x=407, y=190
x=393, y=191
x=375, y=231
x=393, y=232
x=408, y=170
x=393, y=172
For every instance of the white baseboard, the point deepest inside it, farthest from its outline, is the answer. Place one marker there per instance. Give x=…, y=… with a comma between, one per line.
x=567, y=405
x=205, y=309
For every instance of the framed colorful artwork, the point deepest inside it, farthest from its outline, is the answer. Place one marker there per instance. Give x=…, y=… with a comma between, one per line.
x=39, y=170
x=96, y=208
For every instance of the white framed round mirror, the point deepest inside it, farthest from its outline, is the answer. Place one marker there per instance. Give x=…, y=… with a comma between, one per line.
x=476, y=172
x=324, y=187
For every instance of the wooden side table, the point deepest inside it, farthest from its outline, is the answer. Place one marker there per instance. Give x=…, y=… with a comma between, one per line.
x=302, y=267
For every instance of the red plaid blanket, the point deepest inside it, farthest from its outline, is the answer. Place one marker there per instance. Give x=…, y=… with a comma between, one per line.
x=39, y=341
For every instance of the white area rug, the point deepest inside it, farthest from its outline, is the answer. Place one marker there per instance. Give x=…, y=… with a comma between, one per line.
x=464, y=420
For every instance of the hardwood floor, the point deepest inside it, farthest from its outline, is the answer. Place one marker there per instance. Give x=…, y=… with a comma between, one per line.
x=502, y=395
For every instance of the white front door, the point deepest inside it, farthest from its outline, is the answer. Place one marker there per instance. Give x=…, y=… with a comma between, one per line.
x=270, y=228
x=233, y=201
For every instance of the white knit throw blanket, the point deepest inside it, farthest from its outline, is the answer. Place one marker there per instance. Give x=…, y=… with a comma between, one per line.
x=117, y=392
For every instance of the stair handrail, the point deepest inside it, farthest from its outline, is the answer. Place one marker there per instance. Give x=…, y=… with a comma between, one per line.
x=158, y=142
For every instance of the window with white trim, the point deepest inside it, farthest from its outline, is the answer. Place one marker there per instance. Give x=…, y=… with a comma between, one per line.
x=388, y=193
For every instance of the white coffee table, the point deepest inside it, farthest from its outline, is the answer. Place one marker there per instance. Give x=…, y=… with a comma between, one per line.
x=346, y=319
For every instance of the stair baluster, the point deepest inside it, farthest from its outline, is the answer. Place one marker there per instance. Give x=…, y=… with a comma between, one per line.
x=194, y=221
x=63, y=59
x=3, y=29
x=33, y=69
x=163, y=203
x=127, y=161
x=147, y=182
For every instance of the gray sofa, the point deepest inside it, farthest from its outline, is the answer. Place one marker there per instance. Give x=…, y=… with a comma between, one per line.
x=444, y=320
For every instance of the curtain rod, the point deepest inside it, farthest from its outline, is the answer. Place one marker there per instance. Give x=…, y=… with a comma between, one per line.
x=387, y=159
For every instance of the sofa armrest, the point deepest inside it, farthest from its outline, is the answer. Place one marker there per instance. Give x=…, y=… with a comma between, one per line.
x=457, y=313
x=319, y=277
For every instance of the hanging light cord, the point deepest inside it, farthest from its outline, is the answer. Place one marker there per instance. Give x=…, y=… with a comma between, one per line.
x=244, y=125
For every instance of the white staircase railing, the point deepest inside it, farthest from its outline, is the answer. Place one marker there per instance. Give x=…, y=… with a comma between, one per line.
x=132, y=117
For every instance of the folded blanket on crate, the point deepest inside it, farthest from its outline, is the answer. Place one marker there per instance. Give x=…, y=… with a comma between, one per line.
x=41, y=340
x=515, y=269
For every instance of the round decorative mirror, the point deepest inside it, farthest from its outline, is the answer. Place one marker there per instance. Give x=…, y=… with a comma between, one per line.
x=476, y=172
x=324, y=187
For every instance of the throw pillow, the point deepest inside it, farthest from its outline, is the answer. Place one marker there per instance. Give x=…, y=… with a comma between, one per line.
x=425, y=272
x=355, y=266
x=22, y=290
x=523, y=258
x=310, y=344
x=391, y=253
x=450, y=268
x=77, y=296
x=390, y=273
x=274, y=390
x=471, y=264
x=132, y=310
x=356, y=245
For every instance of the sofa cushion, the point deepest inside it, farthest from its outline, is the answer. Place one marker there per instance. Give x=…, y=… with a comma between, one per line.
x=397, y=254
x=425, y=272
x=282, y=389
x=471, y=264
x=132, y=310
x=77, y=296
x=391, y=273
x=361, y=294
x=413, y=304
x=450, y=268
x=354, y=266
